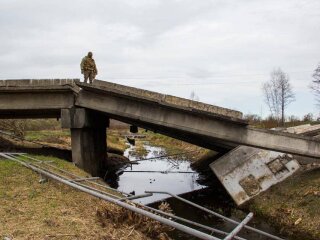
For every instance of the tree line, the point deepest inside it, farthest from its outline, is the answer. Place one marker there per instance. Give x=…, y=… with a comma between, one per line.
x=278, y=94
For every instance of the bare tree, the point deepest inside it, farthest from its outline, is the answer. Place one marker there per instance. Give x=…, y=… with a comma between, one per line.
x=308, y=117
x=278, y=94
x=315, y=86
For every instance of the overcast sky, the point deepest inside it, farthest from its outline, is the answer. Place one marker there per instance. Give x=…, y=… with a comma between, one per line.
x=221, y=49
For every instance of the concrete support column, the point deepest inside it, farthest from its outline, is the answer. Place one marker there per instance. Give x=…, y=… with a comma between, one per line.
x=88, y=138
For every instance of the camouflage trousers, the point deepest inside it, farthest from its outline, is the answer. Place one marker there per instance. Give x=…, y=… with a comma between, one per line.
x=89, y=75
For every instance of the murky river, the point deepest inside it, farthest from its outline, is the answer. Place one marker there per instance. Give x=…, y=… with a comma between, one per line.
x=177, y=177
x=163, y=174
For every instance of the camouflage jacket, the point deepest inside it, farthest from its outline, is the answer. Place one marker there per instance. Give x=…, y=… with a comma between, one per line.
x=88, y=64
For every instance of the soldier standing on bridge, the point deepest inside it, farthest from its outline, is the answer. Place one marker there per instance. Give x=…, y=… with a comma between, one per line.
x=88, y=68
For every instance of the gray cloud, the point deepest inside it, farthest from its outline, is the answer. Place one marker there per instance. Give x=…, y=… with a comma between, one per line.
x=223, y=50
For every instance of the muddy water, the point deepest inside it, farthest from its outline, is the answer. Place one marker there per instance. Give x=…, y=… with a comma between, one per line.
x=185, y=184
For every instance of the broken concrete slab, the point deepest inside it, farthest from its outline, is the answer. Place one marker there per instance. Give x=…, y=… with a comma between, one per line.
x=305, y=129
x=246, y=171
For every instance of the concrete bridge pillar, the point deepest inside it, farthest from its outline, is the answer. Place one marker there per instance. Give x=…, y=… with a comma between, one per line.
x=88, y=138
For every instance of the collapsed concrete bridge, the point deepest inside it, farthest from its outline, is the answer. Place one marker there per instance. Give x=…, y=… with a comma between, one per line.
x=86, y=110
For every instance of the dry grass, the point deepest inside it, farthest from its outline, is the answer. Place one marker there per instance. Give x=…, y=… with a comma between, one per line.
x=150, y=228
x=56, y=138
x=115, y=140
x=62, y=139
x=294, y=205
x=30, y=210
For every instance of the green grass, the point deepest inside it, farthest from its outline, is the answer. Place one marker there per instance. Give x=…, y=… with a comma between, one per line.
x=46, y=134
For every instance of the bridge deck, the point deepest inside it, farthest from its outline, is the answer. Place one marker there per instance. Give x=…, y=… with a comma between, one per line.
x=168, y=101
x=30, y=98
x=198, y=123
x=164, y=99
x=220, y=132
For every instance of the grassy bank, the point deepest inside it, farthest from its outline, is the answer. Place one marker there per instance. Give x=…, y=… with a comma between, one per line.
x=62, y=138
x=30, y=210
x=117, y=141
x=171, y=145
x=293, y=205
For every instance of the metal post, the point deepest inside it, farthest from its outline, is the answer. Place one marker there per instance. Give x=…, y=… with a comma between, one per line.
x=84, y=179
x=239, y=227
x=217, y=214
x=136, y=197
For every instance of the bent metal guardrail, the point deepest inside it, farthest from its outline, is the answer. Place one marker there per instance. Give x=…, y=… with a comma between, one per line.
x=123, y=200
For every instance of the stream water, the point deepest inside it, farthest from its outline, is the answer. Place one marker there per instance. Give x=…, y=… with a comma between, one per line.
x=177, y=176
x=165, y=174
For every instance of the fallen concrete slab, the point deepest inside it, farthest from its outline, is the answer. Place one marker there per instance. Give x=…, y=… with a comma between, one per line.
x=245, y=172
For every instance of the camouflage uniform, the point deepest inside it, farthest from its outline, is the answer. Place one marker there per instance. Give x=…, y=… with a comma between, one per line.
x=88, y=68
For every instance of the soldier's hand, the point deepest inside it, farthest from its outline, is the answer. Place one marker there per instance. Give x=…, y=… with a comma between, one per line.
x=82, y=71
